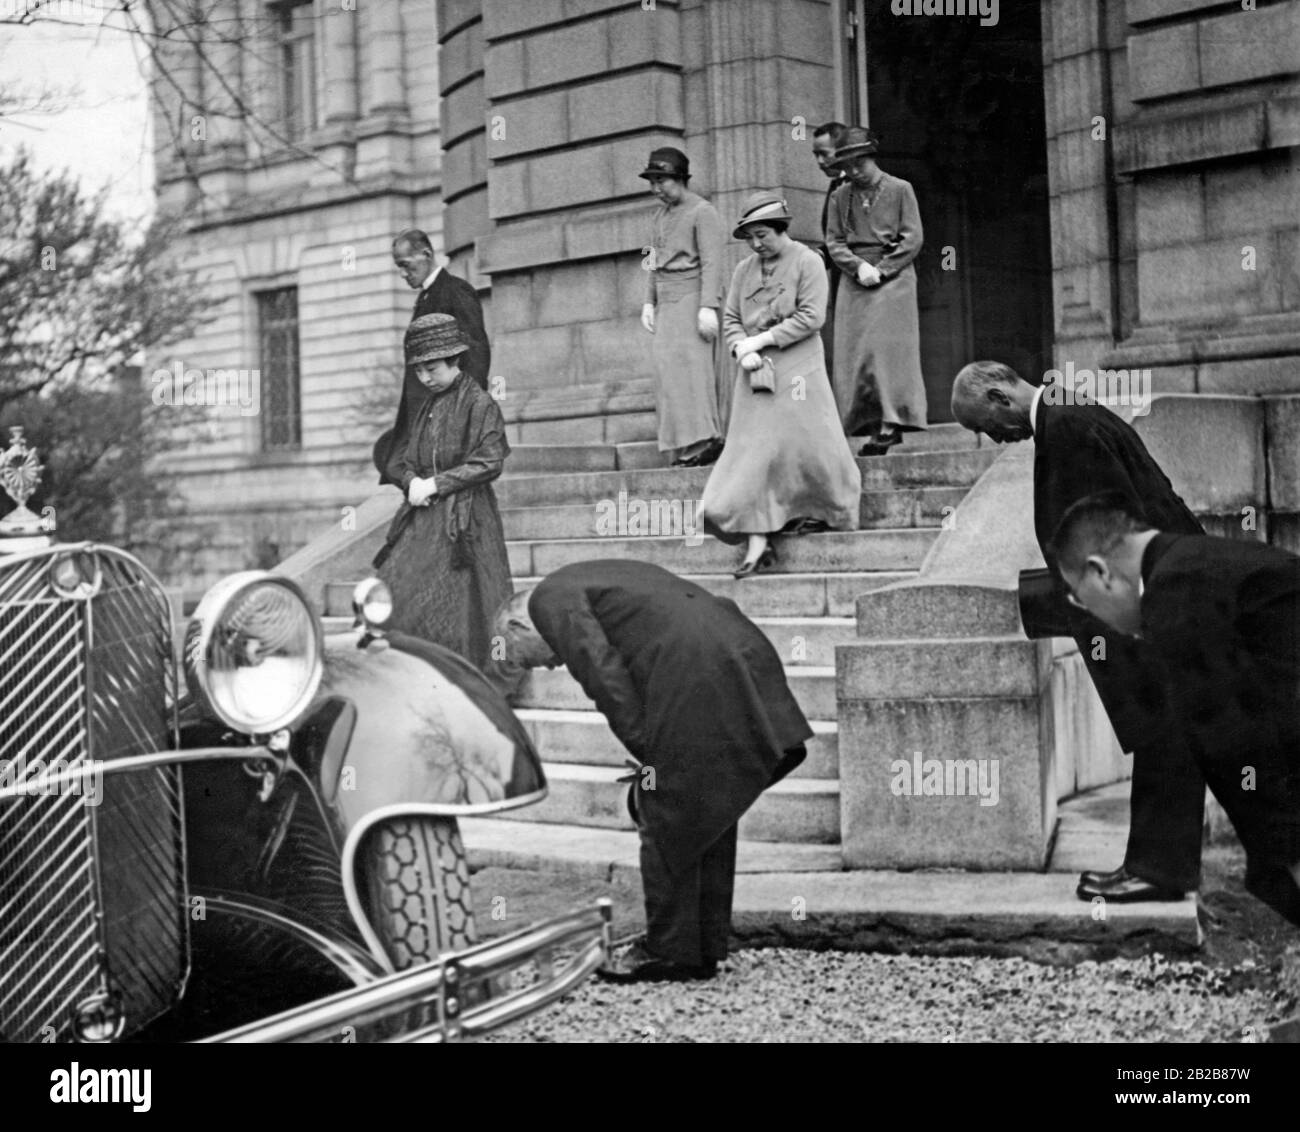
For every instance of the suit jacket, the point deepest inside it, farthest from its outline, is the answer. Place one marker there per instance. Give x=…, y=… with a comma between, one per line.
x=689, y=685
x=447, y=294
x=1224, y=615
x=1082, y=450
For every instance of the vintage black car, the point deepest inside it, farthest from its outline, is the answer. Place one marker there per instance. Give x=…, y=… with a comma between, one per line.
x=268, y=851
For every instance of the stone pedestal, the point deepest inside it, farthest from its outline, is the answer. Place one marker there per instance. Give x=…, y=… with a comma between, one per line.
x=945, y=754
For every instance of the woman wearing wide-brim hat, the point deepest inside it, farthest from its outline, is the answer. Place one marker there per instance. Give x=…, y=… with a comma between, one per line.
x=683, y=267
x=873, y=235
x=445, y=556
x=787, y=465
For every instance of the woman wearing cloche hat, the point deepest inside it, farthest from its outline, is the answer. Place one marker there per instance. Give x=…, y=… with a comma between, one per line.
x=786, y=466
x=683, y=266
x=445, y=556
x=873, y=233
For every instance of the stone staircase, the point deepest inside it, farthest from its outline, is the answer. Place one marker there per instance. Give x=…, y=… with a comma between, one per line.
x=564, y=503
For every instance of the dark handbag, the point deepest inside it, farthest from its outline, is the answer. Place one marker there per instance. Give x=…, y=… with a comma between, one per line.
x=763, y=379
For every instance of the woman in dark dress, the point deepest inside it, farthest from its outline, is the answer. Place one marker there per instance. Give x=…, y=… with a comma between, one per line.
x=445, y=557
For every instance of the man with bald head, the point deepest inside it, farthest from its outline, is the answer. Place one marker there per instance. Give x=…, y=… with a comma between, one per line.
x=1082, y=450
x=439, y=292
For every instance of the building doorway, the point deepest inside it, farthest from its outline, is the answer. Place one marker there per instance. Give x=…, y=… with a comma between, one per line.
x=959, y=109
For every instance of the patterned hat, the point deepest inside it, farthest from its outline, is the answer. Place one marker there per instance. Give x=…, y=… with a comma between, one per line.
x=667, y=162
x=760, y=208
x=433, y=336
x=857, y=141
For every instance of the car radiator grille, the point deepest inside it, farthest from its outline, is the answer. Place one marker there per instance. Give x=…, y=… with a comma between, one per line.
x=92, y=891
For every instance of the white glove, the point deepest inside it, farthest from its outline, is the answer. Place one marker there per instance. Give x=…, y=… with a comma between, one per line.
x=754, y=344
x=751, y=361
x=707, y=323
x=421, y=491
x=648, y=317
x=868, y=275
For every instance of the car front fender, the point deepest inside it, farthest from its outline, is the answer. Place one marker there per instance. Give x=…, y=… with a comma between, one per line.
x=431, y=736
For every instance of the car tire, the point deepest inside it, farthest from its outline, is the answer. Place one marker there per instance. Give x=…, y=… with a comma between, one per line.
x=417, y=877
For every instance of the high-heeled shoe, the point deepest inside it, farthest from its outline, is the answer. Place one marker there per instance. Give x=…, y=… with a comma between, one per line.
x=762, y=562
x=880, y=444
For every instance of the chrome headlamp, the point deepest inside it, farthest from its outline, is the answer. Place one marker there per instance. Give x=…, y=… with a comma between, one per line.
x=372, y=602
x=253, y=654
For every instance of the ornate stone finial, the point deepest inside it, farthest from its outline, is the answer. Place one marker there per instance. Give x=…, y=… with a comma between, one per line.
x=20, y=476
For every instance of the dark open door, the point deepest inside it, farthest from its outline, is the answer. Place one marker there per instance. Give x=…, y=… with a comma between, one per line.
x=959, y=109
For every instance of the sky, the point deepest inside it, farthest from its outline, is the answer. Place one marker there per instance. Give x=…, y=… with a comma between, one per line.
x=99, y=129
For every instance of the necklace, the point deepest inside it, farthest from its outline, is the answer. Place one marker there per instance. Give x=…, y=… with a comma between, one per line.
x=871, y=193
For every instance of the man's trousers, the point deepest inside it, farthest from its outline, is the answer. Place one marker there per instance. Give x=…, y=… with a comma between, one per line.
x=688, y=915
x=1167, y=804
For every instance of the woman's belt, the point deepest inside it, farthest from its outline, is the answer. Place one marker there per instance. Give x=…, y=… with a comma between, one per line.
x=872, y=253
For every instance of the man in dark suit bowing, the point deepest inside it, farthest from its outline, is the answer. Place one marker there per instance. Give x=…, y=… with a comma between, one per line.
x=440, y=292
x=1224, y=616
x=1082, y=450
x=698, y=696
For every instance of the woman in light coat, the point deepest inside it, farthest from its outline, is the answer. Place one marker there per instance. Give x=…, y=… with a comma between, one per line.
x=683, y=293
x=787, y=465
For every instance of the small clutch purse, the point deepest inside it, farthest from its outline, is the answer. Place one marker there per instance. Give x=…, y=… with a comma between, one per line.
x=763, y=379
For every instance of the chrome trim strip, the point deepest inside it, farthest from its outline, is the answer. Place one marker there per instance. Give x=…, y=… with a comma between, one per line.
x=134, y=762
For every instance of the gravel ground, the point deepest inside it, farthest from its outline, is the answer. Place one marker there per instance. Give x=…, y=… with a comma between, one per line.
x=1247, y=976
x=782, y=995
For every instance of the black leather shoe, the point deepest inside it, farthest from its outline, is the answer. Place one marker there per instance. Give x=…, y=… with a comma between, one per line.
x=881, y=444
x=703, y=458
x=1091, y=876
x=1126, y=889
x=639, y=966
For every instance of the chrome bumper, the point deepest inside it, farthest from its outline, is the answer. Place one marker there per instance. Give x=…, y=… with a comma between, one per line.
x=459, y=995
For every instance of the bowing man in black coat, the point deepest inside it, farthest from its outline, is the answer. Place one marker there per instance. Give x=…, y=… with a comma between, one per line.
x=440, y=292
x=698, y=696
x=1224, y=616
x=1082, y=450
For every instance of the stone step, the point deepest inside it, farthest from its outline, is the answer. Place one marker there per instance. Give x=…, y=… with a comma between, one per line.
x=643, y=454
x=896, y=508
x=950, y=909
x=934, y=909
x=576, y=736
x=618, y=428
x=908, y=507
x=579, y=850
x=536, y=459
x=944, y=468
x=813, y=554
x=953, y=468
x=813, y=688
x=804, y=810
x=765, y=595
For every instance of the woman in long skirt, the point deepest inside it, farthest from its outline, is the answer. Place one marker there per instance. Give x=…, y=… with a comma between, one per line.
x=445, y=557
x=683, y=293
x=873, y=235
x=787, y=464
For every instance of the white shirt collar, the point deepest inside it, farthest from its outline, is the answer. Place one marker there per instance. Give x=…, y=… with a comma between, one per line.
x=1033, y=408
x=437, y=267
